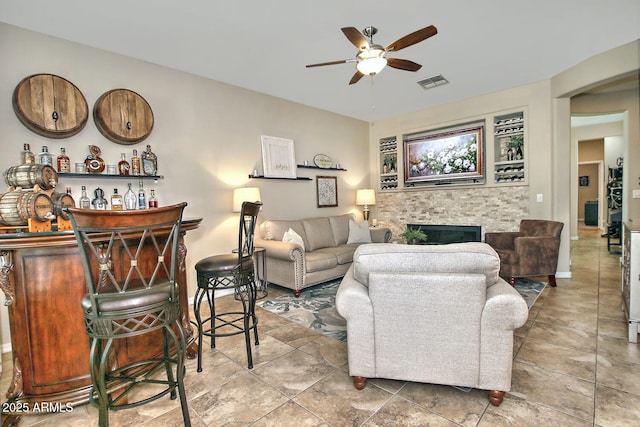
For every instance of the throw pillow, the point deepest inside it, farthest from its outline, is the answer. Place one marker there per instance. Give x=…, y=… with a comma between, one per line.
x=359, y=233
x=291, y=236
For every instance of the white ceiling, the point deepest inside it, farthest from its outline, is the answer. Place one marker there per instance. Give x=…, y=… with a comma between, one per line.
x=481, y=46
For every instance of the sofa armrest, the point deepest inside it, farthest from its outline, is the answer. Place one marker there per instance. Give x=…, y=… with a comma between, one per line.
x=380, y=235
x=280, y=250
x=505, y=308
x=501, y=240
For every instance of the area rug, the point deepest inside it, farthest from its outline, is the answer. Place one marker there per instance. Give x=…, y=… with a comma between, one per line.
x=316, y=307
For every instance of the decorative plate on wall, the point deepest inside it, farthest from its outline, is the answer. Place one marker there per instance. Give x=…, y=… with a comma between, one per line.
x=322, y=161
x=50, y=106
x=123, y=116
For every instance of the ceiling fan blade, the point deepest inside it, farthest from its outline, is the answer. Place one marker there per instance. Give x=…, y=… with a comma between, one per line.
x=356, y=77
x=355, y=37
x=343, y=61
x=413, y=38
x=403, y=64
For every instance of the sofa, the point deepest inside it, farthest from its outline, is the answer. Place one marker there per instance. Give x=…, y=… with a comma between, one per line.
x=323, y=249
x=430, y=313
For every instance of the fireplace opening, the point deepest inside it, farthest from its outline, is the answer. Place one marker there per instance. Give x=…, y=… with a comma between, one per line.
x=444, y=234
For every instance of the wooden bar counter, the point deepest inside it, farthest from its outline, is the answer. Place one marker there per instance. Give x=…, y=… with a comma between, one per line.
x=43, y=286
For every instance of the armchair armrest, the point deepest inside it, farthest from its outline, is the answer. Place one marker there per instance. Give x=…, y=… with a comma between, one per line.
x=281, y=250
x=501, y=240
x=380, y=235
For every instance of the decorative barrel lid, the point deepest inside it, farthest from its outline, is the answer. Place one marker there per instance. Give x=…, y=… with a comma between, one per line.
x=50, y=106
x=123, y=116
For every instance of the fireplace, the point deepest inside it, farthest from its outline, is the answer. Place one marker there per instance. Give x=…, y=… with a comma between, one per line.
x=443, y=234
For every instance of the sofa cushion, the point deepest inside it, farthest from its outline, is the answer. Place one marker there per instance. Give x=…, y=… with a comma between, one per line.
x=275, y=229
x=319, y=260
x=340, y=228
x=343, y=253
x=291, y=236
x=359, y=233
x=318, y=232
x=463, y=258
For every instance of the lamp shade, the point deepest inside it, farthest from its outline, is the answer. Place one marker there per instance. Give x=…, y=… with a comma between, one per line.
x=245, y=194
x=366, y=196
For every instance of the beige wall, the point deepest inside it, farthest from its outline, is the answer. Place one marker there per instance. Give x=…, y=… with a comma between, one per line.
x=206, y=137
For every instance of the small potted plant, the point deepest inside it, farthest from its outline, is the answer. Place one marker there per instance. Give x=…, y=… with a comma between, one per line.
x=414, y=236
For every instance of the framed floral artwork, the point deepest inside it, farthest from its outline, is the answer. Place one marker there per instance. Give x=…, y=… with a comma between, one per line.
x=445, y=155
x=327, y=191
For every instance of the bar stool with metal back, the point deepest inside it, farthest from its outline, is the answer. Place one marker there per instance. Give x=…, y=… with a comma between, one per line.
x=230, y=271
x=130, y=263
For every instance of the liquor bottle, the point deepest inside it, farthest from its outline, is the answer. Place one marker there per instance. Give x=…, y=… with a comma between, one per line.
x=135, y=163
x=84, y=201
x=116, y=201
x=45, y=158
x=142, y=197
x=130, y=199
x=64, y=164
x=149, y=162
x=99, y=202
x=123, y=165
x=26, y=156
x=153, y=200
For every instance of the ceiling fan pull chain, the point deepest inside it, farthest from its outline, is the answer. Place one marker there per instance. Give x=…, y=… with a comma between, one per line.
x=373, y=94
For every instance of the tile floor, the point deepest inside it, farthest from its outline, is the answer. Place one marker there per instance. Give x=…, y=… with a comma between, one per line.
x=573, y=367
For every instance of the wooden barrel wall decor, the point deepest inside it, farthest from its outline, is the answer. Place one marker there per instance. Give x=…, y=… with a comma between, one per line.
x=17, y=207
x=50, y=106
x=27, y=176
x=123, y=116
x=61, y=201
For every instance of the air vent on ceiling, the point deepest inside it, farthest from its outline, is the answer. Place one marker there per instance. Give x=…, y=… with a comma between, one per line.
x=432, y=82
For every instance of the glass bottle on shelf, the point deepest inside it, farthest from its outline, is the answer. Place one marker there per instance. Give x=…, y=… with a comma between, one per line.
x=149, y=162
x=116, y=201
x=142, y=196
x=26, y=156
x=84, y=201
x=45, y=158
x=123, y=165
x=153, y=200
x=99, y=202
x=135, y=163
x=64, y=164
x=130, y=199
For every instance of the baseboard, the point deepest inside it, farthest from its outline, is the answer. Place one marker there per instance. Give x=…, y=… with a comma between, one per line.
x=5, y=348
x=563, y=275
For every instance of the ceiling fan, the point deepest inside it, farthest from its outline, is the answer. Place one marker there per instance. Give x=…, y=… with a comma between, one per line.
x=371, y=59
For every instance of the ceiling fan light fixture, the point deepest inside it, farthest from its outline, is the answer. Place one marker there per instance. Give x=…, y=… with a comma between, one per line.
x=371, y=61
x=371, y=66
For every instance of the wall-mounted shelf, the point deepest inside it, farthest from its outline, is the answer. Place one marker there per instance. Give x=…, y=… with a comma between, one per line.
x=300, y=178
x=107, y=176
x=318, y=167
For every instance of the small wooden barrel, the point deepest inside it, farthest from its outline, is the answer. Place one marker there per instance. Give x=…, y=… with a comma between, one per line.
x=61, y=201
x=26, y=176
x=17, y=207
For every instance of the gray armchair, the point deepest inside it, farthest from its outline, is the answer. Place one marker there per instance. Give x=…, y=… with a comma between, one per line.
x=434, y=314
x=531, y=251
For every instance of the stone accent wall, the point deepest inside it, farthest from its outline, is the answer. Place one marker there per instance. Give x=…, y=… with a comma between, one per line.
x=494, y=209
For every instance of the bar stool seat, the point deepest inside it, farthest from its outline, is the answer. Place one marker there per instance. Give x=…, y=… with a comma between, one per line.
x=229, y=271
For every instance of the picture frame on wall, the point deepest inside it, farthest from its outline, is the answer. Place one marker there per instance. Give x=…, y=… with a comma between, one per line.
x=278, y=157
x=583, y=181
x=445, y=155
x=327, y=191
